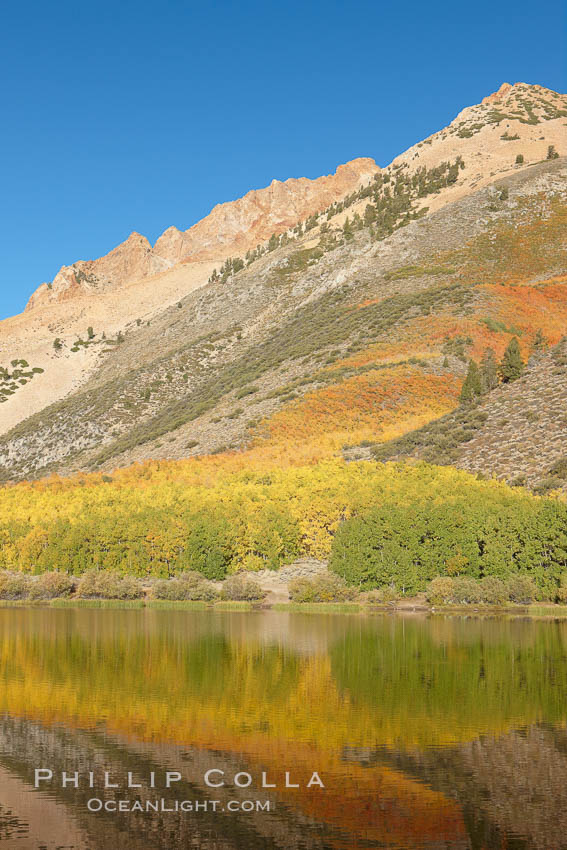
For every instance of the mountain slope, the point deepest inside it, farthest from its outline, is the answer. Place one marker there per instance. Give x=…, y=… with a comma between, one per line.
x=354, y=324
x=134, y=283
x=319, y=347
x=517, y=432
x=524, y=437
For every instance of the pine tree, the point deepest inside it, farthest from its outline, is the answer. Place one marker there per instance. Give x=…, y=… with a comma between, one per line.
x=347, y=229
x=488, y=371
x=511, y=365
x=471, y=388
x=369, y=215
x=540, y=343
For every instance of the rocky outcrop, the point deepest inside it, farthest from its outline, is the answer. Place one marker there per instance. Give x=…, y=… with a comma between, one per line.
x=235, y=227
x=275, y=583
x=230, y=229
x=132, y=260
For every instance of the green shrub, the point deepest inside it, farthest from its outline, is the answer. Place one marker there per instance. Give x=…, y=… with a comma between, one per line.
x=108, y=584
x=521, y=589
x=14, y=585
x=562, y=589
x=188, y=586
x=246, y=391
x=235, y=413
x=493, y=591
x=559, y=468
x=52, y=585
x=322, y=588
x=546, y=485
x=440, y=591
x=466, y=591
x=382, y=596
x=240, y=588
x=445, y=590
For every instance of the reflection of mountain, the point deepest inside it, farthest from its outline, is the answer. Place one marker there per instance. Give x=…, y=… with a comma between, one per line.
x=25, y=744
x=398, y=810
x=512, y=789
x=358, y=699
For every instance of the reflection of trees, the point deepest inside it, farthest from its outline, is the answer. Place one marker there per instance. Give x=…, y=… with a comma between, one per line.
x=512, y=789
x=382, y=693
x=383, y=681
x=24, y=745
x=443, y=681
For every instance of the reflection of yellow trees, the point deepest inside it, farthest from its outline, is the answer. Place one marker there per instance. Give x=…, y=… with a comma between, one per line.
x=383, y=684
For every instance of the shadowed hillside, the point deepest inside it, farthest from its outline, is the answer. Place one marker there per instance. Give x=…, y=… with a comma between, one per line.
x=518, y=432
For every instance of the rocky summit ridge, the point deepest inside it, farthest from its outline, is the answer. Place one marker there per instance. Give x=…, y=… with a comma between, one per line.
x=230, y=228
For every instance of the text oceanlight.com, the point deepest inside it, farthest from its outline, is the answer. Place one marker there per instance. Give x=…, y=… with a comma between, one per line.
x=96, y=804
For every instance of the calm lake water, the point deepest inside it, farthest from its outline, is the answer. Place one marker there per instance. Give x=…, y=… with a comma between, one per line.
x=444, y=732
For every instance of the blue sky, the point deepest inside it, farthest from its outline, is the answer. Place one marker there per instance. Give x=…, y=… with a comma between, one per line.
x=138, y=115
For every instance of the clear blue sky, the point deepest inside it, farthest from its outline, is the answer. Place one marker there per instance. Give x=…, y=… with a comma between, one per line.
x=121, y=116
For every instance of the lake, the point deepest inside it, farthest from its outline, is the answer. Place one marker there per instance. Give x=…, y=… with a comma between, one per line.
x=242, y=730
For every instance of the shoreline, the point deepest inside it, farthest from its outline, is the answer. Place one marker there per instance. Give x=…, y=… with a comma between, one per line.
x=533, y=610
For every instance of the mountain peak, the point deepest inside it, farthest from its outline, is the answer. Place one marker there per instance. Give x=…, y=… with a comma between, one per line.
x=511, y=128
x=498, y=95
x=511, y=90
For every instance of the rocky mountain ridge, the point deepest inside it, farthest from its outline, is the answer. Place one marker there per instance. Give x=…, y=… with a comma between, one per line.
x=230, y=228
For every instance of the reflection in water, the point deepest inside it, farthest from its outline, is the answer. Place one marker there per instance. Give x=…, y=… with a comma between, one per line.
x=428, y=733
